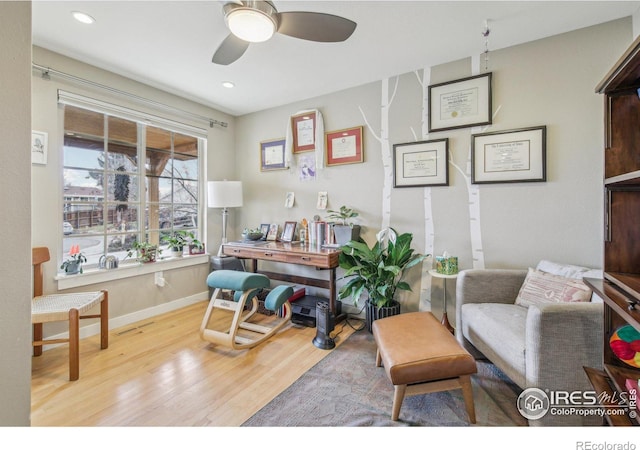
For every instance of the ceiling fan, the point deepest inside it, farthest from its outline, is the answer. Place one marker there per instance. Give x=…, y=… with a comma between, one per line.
x=257, y=20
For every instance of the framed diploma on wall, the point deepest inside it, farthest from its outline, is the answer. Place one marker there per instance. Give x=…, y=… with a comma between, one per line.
x=344, y=146
x=461, y=103
x=423, y=163
x=272, y=155
x=514, y=156
x=303, y=128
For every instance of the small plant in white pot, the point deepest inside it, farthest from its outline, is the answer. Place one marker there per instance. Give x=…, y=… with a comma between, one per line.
x=344, y=229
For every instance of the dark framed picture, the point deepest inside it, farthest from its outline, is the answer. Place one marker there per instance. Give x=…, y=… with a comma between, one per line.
x=513, y=156
x=288, y=231
x=272, y=155
x=264, y=227
x=344, y=146
x=461, y=103
x=303, y=128
x=423, y=163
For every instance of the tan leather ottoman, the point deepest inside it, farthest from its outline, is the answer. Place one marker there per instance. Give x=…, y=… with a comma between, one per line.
x=421, y=356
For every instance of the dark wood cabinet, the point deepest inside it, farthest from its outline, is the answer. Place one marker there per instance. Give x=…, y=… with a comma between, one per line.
x=620, y=288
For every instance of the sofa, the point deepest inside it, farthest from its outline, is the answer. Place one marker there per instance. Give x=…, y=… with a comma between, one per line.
x=542, y=344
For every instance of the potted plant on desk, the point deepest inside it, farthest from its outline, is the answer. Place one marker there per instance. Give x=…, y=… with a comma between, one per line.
x=379, y=270
x=344, y=229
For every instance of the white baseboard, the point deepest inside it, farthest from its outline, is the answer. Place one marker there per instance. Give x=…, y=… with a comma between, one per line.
x=117, y=322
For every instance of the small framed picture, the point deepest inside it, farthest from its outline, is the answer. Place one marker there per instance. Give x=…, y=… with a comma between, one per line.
x=272, y=235
x=344, y=146
x=423, y=163
x=272, y=155
x=509, y=156
x=39, y=147
x=289, y=231
x=304, y=132
x=264, y=227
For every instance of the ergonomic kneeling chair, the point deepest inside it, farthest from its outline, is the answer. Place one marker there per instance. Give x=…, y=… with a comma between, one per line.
x=245, y=286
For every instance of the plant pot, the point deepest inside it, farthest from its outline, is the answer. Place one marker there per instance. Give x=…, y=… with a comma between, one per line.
x=176, y=252
x=148, y=255
x=375, y=313
x=346, y=233
x=72, y=268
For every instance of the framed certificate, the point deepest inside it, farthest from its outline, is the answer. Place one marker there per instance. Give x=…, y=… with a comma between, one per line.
x=461, y=103
x=303, y=127
x=423, y=163
x=509, y=156
x=344, y=146
x=272, y=155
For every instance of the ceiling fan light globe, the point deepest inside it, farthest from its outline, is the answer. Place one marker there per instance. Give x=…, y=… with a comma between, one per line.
x=251, y=25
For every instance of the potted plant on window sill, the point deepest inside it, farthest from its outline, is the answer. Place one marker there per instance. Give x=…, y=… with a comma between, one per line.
x=177, y=241
x=146, y=252
x=195, y=246
x=73, y=265
x=345, y=229
x=379, y=271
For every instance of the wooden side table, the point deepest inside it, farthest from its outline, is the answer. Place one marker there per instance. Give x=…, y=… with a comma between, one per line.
x=445, y=319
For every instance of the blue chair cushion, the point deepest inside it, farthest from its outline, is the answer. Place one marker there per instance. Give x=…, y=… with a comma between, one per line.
x=278, y=296
x=236, y=280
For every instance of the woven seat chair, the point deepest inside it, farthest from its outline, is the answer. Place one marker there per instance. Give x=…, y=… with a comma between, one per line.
x=65, y=307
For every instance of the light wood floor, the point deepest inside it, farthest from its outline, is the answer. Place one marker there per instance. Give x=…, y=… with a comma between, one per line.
x=159, y=372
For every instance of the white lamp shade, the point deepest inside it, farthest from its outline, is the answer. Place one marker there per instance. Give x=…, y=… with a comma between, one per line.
x=224, y=194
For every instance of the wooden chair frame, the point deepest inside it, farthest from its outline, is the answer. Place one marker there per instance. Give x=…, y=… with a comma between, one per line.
x=40, y=255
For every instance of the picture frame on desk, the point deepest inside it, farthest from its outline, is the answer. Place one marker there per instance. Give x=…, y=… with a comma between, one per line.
x=272, y=235
x=264, y=227
x=288, y=231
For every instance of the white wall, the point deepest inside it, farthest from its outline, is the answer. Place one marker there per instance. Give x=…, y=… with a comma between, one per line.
x=15, y=192
x=548, y=82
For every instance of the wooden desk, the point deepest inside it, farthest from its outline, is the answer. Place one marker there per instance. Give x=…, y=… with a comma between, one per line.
x=282, y=252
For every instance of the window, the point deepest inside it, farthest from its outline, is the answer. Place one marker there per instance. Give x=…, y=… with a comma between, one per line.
x=126, y=181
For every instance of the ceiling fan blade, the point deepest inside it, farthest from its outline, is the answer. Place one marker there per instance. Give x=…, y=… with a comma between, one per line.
x=230, y=50
x=318, y=27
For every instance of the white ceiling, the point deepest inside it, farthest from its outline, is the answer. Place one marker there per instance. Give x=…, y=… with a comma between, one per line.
x=169, y=44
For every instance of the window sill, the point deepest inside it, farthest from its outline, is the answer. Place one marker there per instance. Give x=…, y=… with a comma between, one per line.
x=94, y=276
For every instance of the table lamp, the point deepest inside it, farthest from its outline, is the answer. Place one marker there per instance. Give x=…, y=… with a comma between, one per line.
x=225, y=195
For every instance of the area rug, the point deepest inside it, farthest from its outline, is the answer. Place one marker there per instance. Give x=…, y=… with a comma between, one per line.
x=347, y=389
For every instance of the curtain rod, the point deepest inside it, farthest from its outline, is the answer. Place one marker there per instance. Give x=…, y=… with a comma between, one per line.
x=47, y=72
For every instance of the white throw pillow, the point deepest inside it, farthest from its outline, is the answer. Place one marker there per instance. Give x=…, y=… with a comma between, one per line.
x=571, y=271
x=543, y=288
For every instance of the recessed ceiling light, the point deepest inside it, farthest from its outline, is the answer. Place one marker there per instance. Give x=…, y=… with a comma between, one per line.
x=228, y=84
x=83, y=17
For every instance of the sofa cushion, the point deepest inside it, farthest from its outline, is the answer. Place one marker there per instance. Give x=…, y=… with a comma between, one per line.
x=498, y=331
x=544, y=288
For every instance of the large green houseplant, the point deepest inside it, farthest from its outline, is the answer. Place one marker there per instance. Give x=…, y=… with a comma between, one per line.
x=379, y=270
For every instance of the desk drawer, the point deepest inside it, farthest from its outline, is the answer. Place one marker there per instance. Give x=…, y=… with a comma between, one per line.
x=254, y=253
x=308, y=260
